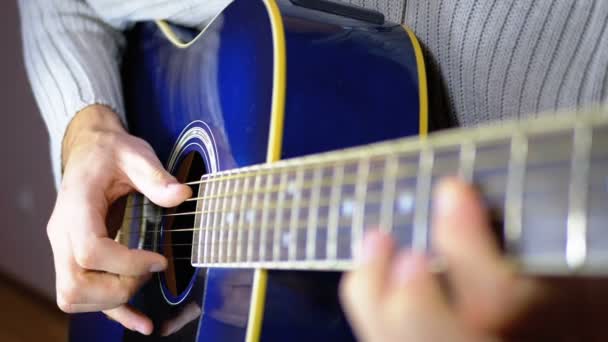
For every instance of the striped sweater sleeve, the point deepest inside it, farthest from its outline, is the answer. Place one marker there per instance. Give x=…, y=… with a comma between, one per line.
x=71, y=58
x=72, y=51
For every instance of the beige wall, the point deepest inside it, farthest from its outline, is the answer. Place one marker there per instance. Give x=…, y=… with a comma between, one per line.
x=26, y=190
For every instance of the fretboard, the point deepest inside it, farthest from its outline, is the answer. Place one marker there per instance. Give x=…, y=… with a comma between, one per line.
x=545, y=180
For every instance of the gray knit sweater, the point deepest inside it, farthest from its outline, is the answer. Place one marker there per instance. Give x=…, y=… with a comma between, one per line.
x=487, y=59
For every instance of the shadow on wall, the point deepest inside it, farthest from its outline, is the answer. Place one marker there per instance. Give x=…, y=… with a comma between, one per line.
x=26, y=185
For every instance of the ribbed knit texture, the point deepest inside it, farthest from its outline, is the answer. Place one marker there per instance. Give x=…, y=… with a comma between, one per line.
x=500, y=59
x=487, y=60
x=73, y=50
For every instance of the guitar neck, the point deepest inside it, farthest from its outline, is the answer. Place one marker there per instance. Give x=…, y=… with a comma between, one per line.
x=544, y=180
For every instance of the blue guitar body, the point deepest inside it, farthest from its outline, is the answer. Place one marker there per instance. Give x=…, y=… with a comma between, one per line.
x=265, y=81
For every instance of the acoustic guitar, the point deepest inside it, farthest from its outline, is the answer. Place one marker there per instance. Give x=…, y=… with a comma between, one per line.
x=300, y=124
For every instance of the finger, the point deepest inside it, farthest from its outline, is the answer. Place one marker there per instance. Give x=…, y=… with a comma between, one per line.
x=95, y=291
x=414, y=303
x=413, y=289
x=187, y=314
x=105, y=254
x=131, y=319
x=147, y=174
x=486, y=288
x=361, y=290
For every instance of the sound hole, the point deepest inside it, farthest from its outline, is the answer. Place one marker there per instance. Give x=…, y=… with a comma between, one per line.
x=176, y=241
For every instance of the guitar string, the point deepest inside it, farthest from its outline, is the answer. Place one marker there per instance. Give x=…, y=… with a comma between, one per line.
x=286, y=205
x=268, y=248
x=240, y=241
x=265, y=170
x=264, y=191
x=300, y=224
x=305, y=204
x=277, y=189
x=308, y=185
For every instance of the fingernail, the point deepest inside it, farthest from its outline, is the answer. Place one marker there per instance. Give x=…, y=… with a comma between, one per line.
x=445, y=199
x=172, y=182
x=141, y=328
x=407, y=266
x=157, y=267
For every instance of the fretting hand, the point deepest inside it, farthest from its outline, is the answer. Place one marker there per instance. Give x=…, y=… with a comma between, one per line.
x=393, y=296
x=102, y=163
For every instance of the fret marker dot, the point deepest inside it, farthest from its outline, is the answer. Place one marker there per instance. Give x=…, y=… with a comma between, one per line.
x=348, y=207
x=405, y=203
x=229, y=219
x=250, y=215
x=291, y=188
x=285, y=239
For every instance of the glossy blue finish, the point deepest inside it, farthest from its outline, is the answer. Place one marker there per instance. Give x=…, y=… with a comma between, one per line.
x=348, y=83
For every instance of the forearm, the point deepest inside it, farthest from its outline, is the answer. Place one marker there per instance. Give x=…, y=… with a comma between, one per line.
x=90, y=122
x=72, y=59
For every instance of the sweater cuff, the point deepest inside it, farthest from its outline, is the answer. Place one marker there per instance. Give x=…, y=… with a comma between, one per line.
x=56, y=136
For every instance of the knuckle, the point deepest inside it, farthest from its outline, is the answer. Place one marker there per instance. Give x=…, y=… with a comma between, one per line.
x=124, y=294
x=64, y=305
x=67, y=296
x=106, y=138
x=85, y=258
x=159, y=174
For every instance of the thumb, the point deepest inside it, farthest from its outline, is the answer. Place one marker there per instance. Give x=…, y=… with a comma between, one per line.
x=146, y=173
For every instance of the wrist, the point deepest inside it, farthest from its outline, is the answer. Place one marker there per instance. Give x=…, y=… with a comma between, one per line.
x=85, y=125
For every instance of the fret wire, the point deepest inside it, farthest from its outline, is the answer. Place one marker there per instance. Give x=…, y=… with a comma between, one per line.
x=311, y=236
x=143, y=224
x=142, y=227
x=332, y=229
x=515, y=189
x=254, y=203
x=576, y=235
x=208, y=223
x=467, y=161
x=295, y=214
x=276, y=247
x=420, y=234
x=125, y=225
x=234, y=214
x=240, y=226
x=220, y=188
x=388, y=194
x=360, y=200
x=198, y=221
x=224, y=217
x=265, y=213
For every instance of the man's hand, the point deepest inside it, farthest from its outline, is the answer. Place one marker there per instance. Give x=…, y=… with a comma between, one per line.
x=394, y=296
x=102, y=163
